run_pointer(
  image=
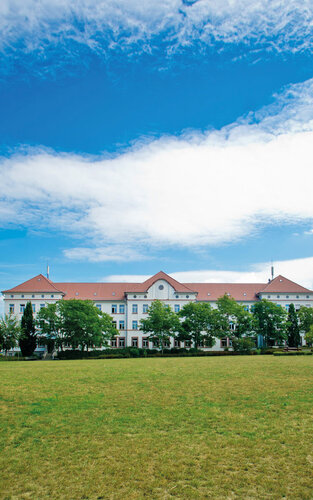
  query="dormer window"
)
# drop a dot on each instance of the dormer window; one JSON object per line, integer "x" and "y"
{"x": 161, "y": 287}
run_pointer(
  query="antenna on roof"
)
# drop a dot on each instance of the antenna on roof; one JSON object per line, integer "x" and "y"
{"x": 48, "y": 271}
{"x": 272, "y": 272}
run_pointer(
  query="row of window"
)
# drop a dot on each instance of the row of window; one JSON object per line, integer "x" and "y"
{"x": 33, "y": 296}
{"x": 146, "y": 343}
{"x": 121, "y": 308}
{"x": 22, "y": 308}
{"x": 286, "y": 296}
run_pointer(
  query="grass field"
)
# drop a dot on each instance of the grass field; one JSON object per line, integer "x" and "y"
{"x": 223, "y": 428}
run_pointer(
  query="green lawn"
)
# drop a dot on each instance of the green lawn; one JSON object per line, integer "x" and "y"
{"x": 229, "y": 427}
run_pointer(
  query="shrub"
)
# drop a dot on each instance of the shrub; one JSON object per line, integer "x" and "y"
{"x": 244, "y": 345}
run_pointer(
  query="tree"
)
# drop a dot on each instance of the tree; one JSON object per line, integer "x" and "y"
{"x": 231, "y": 312}
{"x": 28, "y": 337}
{"x": 161, "y": 323}
{"x": 9, "y": 332}
{"x": 305, "y": 315}
{"x": 293, "y": 330}
{"x": 309, "y": 337}
{"x": 270, "y": 321}
{"x": 196, "y": 324}
{"x": 48, "y": 322}
{"x": 82, "y": 324}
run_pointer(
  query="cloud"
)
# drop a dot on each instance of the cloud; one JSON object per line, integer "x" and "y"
{"x": 132, "y": 26}
{"x": 113, "y": 253}
{"x": 298, "y": 270}
{"x": 192, "y": 191}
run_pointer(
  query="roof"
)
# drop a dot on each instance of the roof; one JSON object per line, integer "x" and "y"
{"x": 241, "y": 292}
{"x": 280, "y": 284}
{"x": 37, "y": 284}
{"x": 178, "y": 287}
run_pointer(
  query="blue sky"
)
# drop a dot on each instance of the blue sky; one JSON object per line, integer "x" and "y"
{"x": 139, "y": 136}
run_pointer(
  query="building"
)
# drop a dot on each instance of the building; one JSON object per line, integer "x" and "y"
{"x": 128, "y": 303}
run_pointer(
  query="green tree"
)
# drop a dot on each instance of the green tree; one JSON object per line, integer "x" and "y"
{"x": 48, "y": 323}
{"x": 305, "y": 315}
{"x": 293, "y": 330}
{"x": 83, "y": 325}
{"x": 309, "y": 337}
{"x": 28, "y": 337}
{"x": 197, "y": 324}
{"x": 161, "y": 323}
{"x": 270, "y": 321}
{"x": 230, "y": 312}
{"x": 9, "y": 332}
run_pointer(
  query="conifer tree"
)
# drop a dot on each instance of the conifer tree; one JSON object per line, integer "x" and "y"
{"x": 293, "y": 329}
{"x": 28, "y": 338}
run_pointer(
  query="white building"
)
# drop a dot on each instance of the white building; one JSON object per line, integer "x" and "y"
{"x": 128, "y": 303}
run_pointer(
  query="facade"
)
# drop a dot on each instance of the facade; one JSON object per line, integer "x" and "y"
{"x": 128, "y": 303}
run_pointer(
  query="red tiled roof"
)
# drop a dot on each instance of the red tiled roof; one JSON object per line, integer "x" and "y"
{"x": 116, "y": 291}
{"x": 212, "y": 291}
{"x": 283, "y": 285}
{"x": 95, "y": 291}
{"x": 37, "y": 284}
{"x": 178, "y": 287}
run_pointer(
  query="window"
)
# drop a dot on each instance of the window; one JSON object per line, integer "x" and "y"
{"x": 22, "y": 308}
{"x": 145, "y": 343}
{"x": 167, "y": 343}
{"x": 98, "y": 306}
{"x": 12, "y": 296}
{"x": 33, "y": 296}
{"x": 246, "y": 308}
{"x": 113, "y": 342}
{"x": 121, "y": 342}
{"x": 114, "y": 323}
{"x": 161, "y": 287}
{"x": 232, "y": 326}
{"x": 114, "y": 309}
{"x": 308, "y": 296}
{"x": 176, "y": 308}
{"x": 135, "y": 325}
{"x": 187, "y": 296}
{"x": 11, "y": 308}
{"x": 42, "y": 296}
{"x": 135, "y": 309}
{"x": 287, "y": 307}
{"x": 278, "y": 296}
{"x": 134, "y": 341}
{"x": 176, "y": 343}
{"x": 122, "y": 325}
{"x": 52, "y": 296}
{"x": 268, "y": 296}
{"x": 187, "y": 343}
{"x": 145, "y": 308}
{"x": 121, "y": 309}
{"x": 42, "y": 306}
{"x": 22, "y": 296}
{"x": 287, "y": 296}
{"x": 297, "y": 297}
{"x": 224, "y": 342}
{"x": 34, "y": 308}
{"x": 155, "y": 344}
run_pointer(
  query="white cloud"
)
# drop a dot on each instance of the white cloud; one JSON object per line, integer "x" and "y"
{"x": 298, "y": 270}
{"x": 194, "y": 191}
{"x": 113, "y": 253}
{"x": 127, "y": 25}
